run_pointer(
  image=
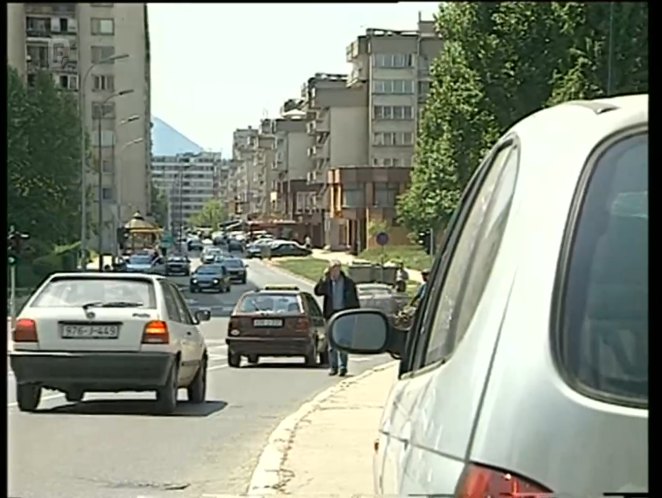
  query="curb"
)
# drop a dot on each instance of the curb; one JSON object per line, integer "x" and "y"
{"x": 266, "y": 477}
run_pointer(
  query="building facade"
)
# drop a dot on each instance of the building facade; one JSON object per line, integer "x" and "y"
{"x": 76, "y": 44}
{"x": 189, "y": 181}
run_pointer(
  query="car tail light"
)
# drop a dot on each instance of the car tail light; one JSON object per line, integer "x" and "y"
{"x": 481, "y": 482}
{"x": 302, "y": 325}
{"x": 25, "y": 330}
{"x": 156, "y": 332}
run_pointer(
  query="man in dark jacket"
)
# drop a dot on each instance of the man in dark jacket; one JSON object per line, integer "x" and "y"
{"x": 340, "y": 294}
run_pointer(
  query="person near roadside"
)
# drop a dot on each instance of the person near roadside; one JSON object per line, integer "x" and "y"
{"x": 339, "y": 293}
{"x": 401, "y": 278}
{"x": 421, "y": 290}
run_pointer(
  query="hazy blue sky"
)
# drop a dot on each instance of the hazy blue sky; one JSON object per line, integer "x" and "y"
{"x": 217, "y": 67}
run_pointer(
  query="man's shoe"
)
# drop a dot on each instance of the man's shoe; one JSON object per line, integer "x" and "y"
{"x": 343, "y": 372}
{"x": 333, "y": 372}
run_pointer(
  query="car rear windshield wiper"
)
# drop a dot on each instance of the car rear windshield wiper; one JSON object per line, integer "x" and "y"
{"x": 92, "y": 304}
{"x": 122, "y": 304}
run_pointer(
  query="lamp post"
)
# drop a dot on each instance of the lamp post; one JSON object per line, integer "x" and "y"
{"x": 82, "y": 77}
{"x": 119, "y": 190}
{"x": 102, "y": 112}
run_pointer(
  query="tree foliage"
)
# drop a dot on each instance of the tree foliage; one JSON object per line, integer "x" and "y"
{"x": 211, "y": 215}
{"x": 159, "y": 206}
{"x": 43, "y": 160}
{"x": 502, "y": 61}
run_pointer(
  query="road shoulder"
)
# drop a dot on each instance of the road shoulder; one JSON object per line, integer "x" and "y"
{"x": 328, "y": 442}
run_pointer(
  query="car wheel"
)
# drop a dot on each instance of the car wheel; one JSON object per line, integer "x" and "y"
{"x": 234, "y": 360}
{"x": 253, "y": 359}
{"x": 192, "y": 289}
{"x": 324, "y": 358}
{"x": 243, "y": 280}
{"x": 74, "y": 395}
{"x": 196, "y": 392}
{"x": 166, "y": 396}
{"x": 28, "y": 396}
{"x": 311, "y": 358}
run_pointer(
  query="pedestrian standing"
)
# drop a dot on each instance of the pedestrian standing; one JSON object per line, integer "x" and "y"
{"x": 339, "y": 292}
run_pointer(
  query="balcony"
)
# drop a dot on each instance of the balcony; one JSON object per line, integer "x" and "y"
{"x": 312, "y": 151}
{"x": 311, "y": 127}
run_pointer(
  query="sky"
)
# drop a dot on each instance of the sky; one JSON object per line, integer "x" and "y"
{"x": 218, "y": 67}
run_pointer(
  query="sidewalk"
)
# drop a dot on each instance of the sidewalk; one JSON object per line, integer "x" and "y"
{"x": 331, "y": 448}
{"x": 347, "y": 259}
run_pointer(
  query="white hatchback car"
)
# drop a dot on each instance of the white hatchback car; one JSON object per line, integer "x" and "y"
{"x": 108, "y": 332}
{"x": 526, "y": 370}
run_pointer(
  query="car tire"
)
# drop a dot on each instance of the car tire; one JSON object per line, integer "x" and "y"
{"x": 243, "y": 280}
{"x": 197, "y": 390}
{"x": 192, "y": 289}
{"x": 74, "y": 395}
{"x": 234, "y": 359}
{"x": 311, "y": 358}
{"x": 28, "y": 396}
{"x": 253, "y": 359}
{"x": 166, "y": 396}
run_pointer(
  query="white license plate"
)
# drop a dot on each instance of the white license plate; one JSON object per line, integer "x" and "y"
{"x": 265, "y": 322}
{"x": 90, "y": 331}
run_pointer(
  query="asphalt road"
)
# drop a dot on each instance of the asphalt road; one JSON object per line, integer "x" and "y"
{"x": 115, "y": 446}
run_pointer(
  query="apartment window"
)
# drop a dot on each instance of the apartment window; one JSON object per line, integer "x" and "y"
{"x": 391, "y": 138}
{"x": 37, "y": 24}
{"x": 107, "y": 165}
{"x": 100, "y": 53}
{"x": 353, "y": 198}
{"x": 104, "y": 82}
{"x": 398, "y": 87}
{"x": 393, "y": 61}
{"x": 107, "y": 112}
{"x": 38, "y": 56}
{"x": 407, "y": 138}
{"x": 107, "y": 194}
{"x": 423, "y": 88}
{"x": 385, "y": 197}
{"x": 107, "y": 139}
{"x": 67, "y": 81}
{"x": 103, "y": 26}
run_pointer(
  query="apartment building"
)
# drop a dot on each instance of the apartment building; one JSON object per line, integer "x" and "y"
{"x": 244, "y": 150}
{"x": 189, "y": 181}
{"x": 74, "y": 42}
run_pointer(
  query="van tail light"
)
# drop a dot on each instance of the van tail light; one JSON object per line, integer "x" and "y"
{"x": 25, "y": 330}
{"x": 480, "y": 482}
{"x": 156, "y": 332}
{"x": 302, "y": 325}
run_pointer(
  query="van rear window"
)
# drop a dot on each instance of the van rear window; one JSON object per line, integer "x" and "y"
{"x": 603, "y": 331}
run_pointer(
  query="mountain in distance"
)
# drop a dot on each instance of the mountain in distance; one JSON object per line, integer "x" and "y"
{"x": 166, "y": 141}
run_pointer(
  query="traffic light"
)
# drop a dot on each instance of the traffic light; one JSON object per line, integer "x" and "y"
{"x": 14, "y": 243}
{"x": 425, "y": 240}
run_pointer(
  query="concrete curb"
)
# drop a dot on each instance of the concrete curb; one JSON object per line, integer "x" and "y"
{"x": 266, "y": 478}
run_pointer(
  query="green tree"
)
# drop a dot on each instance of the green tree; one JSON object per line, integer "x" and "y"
{"x": 43, "y": 159}
{"x": 503, "y": 61}
{"x": 159, "y": 206}
{"x": 211, "y": 215}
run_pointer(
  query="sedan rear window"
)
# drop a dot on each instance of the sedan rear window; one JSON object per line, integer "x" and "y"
{"x": 233, "y": 263}
{"x": 603, "y": 336}
{"x": 274, "y": 303}
{"x": 74, "y": 292}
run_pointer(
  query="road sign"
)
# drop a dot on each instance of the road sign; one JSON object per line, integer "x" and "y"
{"x": 381, "y": 238}
{"x": 11, "y": 260}
{"x": 167, "y": 240}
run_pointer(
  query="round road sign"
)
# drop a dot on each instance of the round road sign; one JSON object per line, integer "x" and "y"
{"x": 381, "y": 238}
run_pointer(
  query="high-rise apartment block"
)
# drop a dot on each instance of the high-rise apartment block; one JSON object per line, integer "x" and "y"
{"x": 76, "y": 43}
{"x": 342, "y": 152}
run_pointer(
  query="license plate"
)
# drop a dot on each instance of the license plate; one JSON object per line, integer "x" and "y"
{"x": 90, "y": 331}
{"x": 265, "y": 322}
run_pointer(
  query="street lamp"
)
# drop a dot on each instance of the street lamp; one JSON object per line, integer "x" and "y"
{"x": 119, "y": 190}
{"x": 82, "y": 78}
{"x": 102, "y": 112}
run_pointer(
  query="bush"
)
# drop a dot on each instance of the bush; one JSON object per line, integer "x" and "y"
{"x": 43, "y": 266}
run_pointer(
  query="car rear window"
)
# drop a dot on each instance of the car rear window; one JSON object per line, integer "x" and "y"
{"x": 143, "y": 259}
{"x": 74, "y": 292}
{"x": 603, "y": 341}
{"x": 209, "y": 270}
{"x": 273, "y": 303}
{"x": 233, "y": 263}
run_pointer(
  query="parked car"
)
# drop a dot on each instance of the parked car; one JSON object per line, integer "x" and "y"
{"x": 236, "y": 268}
{"x": 277, "y": 321}
{"x": 254, "y": 249}
{"x": 527, "y": 370}
{"x": 145, "y": 263}
{"x": 210, "y": 277}
{"x": 288, "y": 248}
{"x": 194, "y": 244}
{"x": 80, "y": 329}
{"x": 178, "y": 265}
{"x": 382, "y": 297}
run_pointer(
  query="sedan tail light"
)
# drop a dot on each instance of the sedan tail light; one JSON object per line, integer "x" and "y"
{"x": 25, "y": 330}
{"x": 302, "y": 325}
{"x": 480, "y": 482}
{"x": 156, "y": 332}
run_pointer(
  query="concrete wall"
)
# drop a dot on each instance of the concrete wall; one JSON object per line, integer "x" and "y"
{"x": 348, "y": 140}
{"x": 16, "y": 53}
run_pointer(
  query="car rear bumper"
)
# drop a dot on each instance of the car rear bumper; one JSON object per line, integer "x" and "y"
{"x": 91, "y": 370}
{"x": 237, "y": 277}
{"x": 207, "y": 286}
{"x": 291, "y": 346}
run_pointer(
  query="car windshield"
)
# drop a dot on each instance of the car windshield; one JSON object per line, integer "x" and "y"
{"x": 271, "y": 303}
{"x": 74, "y": 292}
{"x": 210, "y": 270}
{"x": 140, "y": 259}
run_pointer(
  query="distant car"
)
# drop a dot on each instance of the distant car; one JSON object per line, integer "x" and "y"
{"x": 178, "y": 265}
{"x": 194, "y": 244}
{"x": 108, "y": 332}
{"x": 277, "y": 321}
{"x": 254, "y": 249}
{"x": 381, "y": 297}
{"x": 212, "y": 277}
{"x": 145, "y": 263}
{"x": 288, "y": 248}
{"x": 236, "y": 268}
{"x": 210, "y": 254}
{"x": 235, "y": 245}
